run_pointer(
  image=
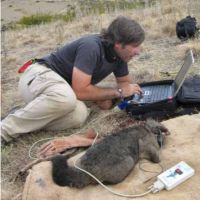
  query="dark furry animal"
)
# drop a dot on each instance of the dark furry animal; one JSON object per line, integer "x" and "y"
{"x": 113, "y": 158}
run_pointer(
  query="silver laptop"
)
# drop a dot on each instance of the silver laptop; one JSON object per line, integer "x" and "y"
{"x": 155, "y": 93}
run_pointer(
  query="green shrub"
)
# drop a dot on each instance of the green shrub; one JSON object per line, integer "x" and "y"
{"x": 36, "y": 19}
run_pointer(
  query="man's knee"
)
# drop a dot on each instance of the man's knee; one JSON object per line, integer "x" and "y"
{"x": 74, "y": 119}
{"x": 80, "y": 114}
{"x": 65, "y": 104}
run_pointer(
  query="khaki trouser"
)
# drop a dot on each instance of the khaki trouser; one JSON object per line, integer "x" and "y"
{"x": 51, "y": 104}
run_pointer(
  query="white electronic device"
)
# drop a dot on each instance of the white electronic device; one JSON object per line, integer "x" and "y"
{"x": 175, "y": 175}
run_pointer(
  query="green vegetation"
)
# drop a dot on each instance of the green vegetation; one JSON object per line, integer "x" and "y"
{"x": 39, "y": 18}
{"x": 36, "y": 19}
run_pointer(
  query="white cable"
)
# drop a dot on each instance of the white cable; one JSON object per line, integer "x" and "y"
{"x": 33, "y": 145}
{"x": 157, "y": 186}
{"x": 110, "y": 190}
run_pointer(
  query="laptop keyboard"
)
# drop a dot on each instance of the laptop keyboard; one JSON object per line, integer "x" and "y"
{"x": 158, "y": 93}
{"x": 153, "y": 94}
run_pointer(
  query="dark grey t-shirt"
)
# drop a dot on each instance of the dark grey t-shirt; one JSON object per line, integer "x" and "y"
{"x": 87, "y": 54}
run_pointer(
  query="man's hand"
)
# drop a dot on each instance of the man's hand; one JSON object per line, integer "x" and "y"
{"x": 130, "y": 89}
{"x": 104, "y": 104}
{"x": 59, "y": 145}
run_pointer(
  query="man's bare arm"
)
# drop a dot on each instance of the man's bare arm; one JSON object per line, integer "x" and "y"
{"x": 124, "y": 79}
{"x": 84, "y": 90}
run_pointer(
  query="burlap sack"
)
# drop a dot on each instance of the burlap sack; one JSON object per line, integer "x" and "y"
{"x": 182, "y": 144}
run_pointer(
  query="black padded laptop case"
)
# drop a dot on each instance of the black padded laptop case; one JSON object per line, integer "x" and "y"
{"x": 186, "y": 102}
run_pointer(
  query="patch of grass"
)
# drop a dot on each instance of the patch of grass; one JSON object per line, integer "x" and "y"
{"x": 40, "y": 18}
{"x": 36, "y": 19}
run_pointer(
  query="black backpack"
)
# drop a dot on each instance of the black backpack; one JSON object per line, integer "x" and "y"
{"x": 186, "y": 28}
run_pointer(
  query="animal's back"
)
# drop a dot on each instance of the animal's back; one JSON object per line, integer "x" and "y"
{"x": 112, "y": 159}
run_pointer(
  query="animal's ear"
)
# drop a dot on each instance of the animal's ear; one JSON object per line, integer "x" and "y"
{"x": 163, "y": 129}
{"x": 154, "y": 154}
{"x": 156, "y": 127}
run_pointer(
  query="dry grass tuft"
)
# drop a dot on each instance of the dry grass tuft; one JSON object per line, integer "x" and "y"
{"x": 161, "y": 19}
{"x": 192, "y": 44}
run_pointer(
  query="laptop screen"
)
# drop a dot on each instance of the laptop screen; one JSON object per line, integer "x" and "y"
{"x": 188, "y": 61}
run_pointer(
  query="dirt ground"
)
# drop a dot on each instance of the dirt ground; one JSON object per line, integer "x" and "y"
{"x": 161, "y": 57}
{"x": 13, "y": 10}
